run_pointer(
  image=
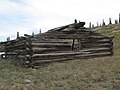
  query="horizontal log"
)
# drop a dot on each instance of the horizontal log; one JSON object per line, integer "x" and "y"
{"x": 49, "y": 45}
{"x": 97, "y": 37}
{"x": 49, "y": 50}
{"x": 12, "y": 49}
{"x": 55, "y": 55}
{"x": 69, "y": 32}
{"x": 84, "y": 56}
{"x": 94, "y": 39}
{"x": 42, "y": 50}
{"x": 11, "y": 53}
{"x": 48, "y": 41}
{"x": 37, "y": 40}
{"x": 97, "y": 50}
{"x": 16, "y": 53}
{"x": 62, "y": 36}
{"x": 106, "y": 45}
{"x": 16, "y": 41}
{"x": 15, "y": 45}
{"x": 96, "y": 42}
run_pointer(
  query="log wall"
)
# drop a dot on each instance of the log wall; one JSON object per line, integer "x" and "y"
{"x": 57, "y": 46}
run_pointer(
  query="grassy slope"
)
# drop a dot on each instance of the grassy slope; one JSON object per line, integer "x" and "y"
{"x": 91, "y": 74}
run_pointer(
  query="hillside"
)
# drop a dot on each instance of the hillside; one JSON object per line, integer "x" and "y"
{"x": 90, "y": 74}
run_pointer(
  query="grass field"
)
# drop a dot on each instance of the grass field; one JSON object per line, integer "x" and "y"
{"x": 90, "y": 74}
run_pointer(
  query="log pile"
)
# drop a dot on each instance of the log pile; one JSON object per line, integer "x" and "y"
{"x": 59, "y": 44}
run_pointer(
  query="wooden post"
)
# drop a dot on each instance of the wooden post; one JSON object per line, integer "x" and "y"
{"x": 116, "y": 21}
{"x": 17, "y": 34}
{"x": 92, "y": 25}
{"x": 73, "y": 44}
{"x": 79, "y": 43}
{"x": 75, "y": 21}
{"x": 32, "y": 33}
{"x": 5, "y": 51}
{"x": 40, "y": 31}
{"x": 89, "y": 24}
{"x": 97, "y": 24}
{"x": 8, "y": 38}
{"x": 110, "y": 22}
{"x": 103, "y": 24}
{"x": 119, "y": 17}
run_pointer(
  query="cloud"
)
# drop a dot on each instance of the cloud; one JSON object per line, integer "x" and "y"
{"x": 27, "y": 16}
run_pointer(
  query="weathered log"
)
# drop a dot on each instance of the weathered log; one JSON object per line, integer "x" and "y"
{"x": 55, "y": 55}
{"x": 49, "y": 50}
{"x": 106, "y": 45}
{"x": 95, "y": 42}
{"x": 50, "y": 41}
{"x": 49, "y": 45}
{"x": 63, "y": 36}
{"x": 83, "y": 56}
{"x": 97, "y": 50}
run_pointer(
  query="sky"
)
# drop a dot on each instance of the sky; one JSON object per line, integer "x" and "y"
{"x": 27, "y": 16}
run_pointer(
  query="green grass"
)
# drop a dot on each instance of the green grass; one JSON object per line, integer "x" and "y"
{"x": 91, "y": 74}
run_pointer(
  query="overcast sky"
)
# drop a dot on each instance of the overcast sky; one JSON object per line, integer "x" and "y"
{"x": 27, "y": 16}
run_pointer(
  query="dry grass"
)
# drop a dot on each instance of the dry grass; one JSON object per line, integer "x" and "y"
{"x": 91, "y": 74}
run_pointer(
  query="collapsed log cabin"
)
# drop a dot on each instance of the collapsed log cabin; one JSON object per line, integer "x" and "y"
{"x": 69, "y": 42}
